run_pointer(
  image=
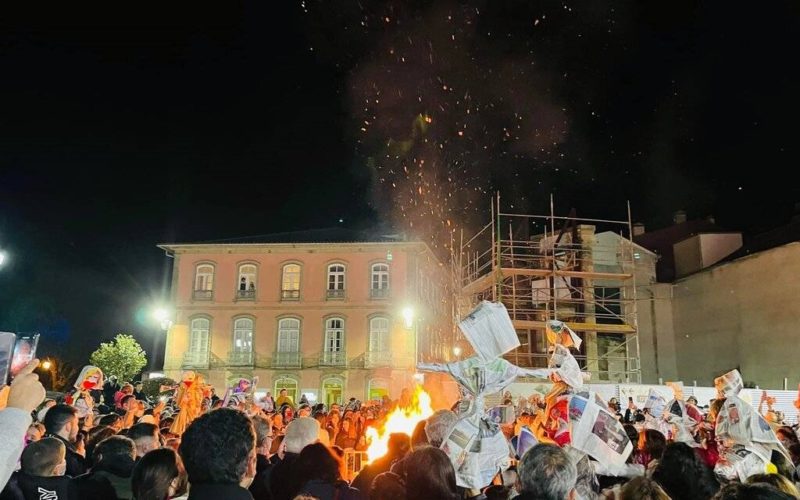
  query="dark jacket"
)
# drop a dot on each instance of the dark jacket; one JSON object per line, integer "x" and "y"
{"x": 331, "y": 491}
{"x": 282, "y": 477}
{"x": 260, "y": 487}
{"x": 363, "y": 481}
{"x": 76, "y": 464}
{"x": 218, "y": 492}
{"x": 108, "y": 480}
{"x": 23, "y": 486}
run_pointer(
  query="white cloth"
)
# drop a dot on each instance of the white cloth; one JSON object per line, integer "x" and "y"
{"x": 14, "y": 424}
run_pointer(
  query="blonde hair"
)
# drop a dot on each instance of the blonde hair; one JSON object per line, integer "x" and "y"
{"x": 777, "y": 481}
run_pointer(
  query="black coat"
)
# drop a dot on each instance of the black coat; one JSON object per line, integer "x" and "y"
{"x": 23, "y": 486}
{"x": 260, "y": 487}
{"x": 282, "y": 481}
{"x": 108, "y": 480}
{"x": 76, "y": 464}
{"x": 218, "y": 492}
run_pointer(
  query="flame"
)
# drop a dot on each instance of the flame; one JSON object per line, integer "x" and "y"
{"x": 400, "y": 420}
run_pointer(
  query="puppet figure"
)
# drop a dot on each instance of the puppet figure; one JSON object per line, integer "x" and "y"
{"x": 90, "y": 378}
{"x": 188, "y": 397}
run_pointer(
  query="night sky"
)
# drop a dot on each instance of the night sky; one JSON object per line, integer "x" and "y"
{"x": 127, "y": 125}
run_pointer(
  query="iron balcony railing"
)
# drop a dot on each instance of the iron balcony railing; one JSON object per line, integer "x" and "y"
{"x": 240, "y": 358}
{"x": 245, "y": 294}
{"x": 373, "y": 359}
{"x": 379, "y": 293}
{"x": 195, "y": 359}
{"x": 287, "y": 360}
{"x": 335, "y": 294}
{"x": 333, "y": 358}
{"x": 290, "y": 294}
{"x": 203, "y": 295}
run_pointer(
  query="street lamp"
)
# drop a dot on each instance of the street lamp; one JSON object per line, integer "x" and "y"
{"x": 410, "y": 322}
{"x": 46, "y": 364}
{"x": 163, "y": 316}
{"x": 3, "y": 257}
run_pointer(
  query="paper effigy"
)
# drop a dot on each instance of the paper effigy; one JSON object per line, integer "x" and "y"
{"x": 90, "y": 378}
{"x": 489, "y": 330}
{"x": 746, "y": 439}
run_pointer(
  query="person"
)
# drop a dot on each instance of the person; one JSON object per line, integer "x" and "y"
{"x": 112, "y": 420}
{"x": 387, "y": 486}
{"x": 755, "y": 491}
{"x": 61, "y": 422}
{"x": 263, "y": 428}
{"x": 125, "y": 390}
{"x": 777, "y": 481}
{"x": 787, "y": 436}
{"x": 546, "y": 471}
{"x": 42, "y": 473}
{"x": 430, "y": 474}
{"x": 683, "y": 475}
{"x": 438, "y": 425}
{"x": 638, "y": 488}
{"x": 398, "y": 446}
{"x": 269, "y": 403}
{"x": 218, "y": 450}
{"x": 283, "y": 399}
{"x": 24, "y": 394}
{"x": 138, "y": 391}
{"x": 321, "y": 475}
{"x": 158, "y": 475}
{"x": 110, "y": 477}
{"x": 35, "y": 432}
{"x": 243, "y": 284}
{"x": 651, "y": 446}
{"x": 300, "y": 433}
{"x": 304, "y": 410}
{"x": 110, "y": 388}
{"x": 146, "y": 438}
{"x": 95, "y": 436}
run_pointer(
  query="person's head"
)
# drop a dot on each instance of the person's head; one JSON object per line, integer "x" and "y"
{"x": 642, "y": 488}
{"x": 304, "y": 410}
{"x": 681, "y": 469}
{"x": 787, "y": 436}
{"x": 62, "y": 420}
{"x": 35, "y": 432}
{"x": 692, "y": 400}
{"x": 128, "y": 402}
{"x": 714, "y": 409}
{"x": 546, "y": 472}
{"x": 652, "y": 442}
{"x": 158, "y": 475}
{"x": 127, "y": 389}
{"x": 263, "y": 428}
{"x": 146, "y": 437}
{"x": 138, "y": 386}
{"x": 430, "y": 474}
{"x": 387, "y": 486}
{"x": 300, "y": 433}
{"x": 45, "y": 457}
{"x": 398, "y": 446}
{"x": 283, "y": 393}
{"x": 111, "y": 420}
{"x": 438, "y": 426}
{"x": 777, "y": 481}
{"x": 219, "y": 448}
{"x": 418, "y": 436}
{"x": 319, "y": 463}
{"x": 97, "y": 434}
{"x": 755, "y": 491}
{"x": 114, "y": 449}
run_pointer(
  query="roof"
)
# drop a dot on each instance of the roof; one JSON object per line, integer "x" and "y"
{"x": 322, "y": 235}
{"x": 770, "y": 239}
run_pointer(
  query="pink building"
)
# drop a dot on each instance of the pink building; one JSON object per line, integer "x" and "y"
{"x": 325, "y": 319}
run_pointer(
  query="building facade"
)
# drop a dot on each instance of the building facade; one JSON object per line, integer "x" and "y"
{"x": 329, "y": 320}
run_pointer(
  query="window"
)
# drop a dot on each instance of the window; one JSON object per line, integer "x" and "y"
{"x": 377, "y": 388}
{"x": 199, "y": 338}
{"x": 334, "y": 335}
{"x": 380, "y": 281}
{"x": 332, "y": 389}
{"x": 203, "y": 282}
{"x": 379, "y": 335}
{"x": 290, "y": 284}
{"x": 247, "y": 282}
{"x": 289, "y": 335}
{"x": 243, "y": 335}
{"x": 287, "y": 383}
{"x": 336, "y": 281}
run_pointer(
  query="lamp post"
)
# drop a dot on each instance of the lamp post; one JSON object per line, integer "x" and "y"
{"x": 411, "y": 321}
{"x": 163, "y": 316}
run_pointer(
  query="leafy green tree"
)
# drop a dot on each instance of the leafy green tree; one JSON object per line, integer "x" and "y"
{"x": 123, "y": 357}
{"x": 152, "y": 387}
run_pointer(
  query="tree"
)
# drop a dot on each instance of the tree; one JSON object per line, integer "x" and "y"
{"x": 123, "y": 357}
{"x": 152, "y": 387}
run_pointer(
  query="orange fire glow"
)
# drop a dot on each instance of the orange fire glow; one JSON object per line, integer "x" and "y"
{"x": 400, "y": 420}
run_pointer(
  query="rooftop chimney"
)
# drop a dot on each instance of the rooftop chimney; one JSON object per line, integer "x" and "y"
{"x": 638, "y": 228}
{"x": 679, "y": 217}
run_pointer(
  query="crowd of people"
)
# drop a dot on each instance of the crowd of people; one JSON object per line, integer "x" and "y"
{"x": 274, "y": 448}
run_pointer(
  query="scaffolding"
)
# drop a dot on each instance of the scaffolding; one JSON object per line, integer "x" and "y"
{"x": 543, "y": 267}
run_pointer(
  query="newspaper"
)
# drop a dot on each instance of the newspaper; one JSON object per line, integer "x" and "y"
{"x": 655, "y": 403}
{"x": 596, "y": 432}
{"x": 559, "y": 333}
{"x": 566, "y": 367}
{"x": 489, "y": 330}
{"x": 740, "y": 463}
{"x": 525, "y": 441}
{"x": 459, "y": 441}
{"x": 729, "y": 384}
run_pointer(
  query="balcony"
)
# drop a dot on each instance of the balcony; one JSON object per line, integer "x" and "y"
{"x": 240, "y": 358}
{"x": 376, "y": 359}
{"x": 290, "y": 295}
{"x": 203, "y": 295}
{"x": 333, "y": 358}
{"x": 379, "y": 293}
{"x": 195, "y": 359}
{"x": 246, "y": 294}
{"x": 287, "y": 360}
{"x": 334, "y": 294}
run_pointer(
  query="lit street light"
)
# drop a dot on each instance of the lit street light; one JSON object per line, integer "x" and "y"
{"x": 3, "y": 256}
{"x": 163, "y": 316}
{"x": 46, "y": 364}
{"x": 408, "y": 317}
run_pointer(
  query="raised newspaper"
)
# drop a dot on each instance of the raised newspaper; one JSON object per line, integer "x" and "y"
{"x": 596, "y": 432}
{"x": 489, "y": 330}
